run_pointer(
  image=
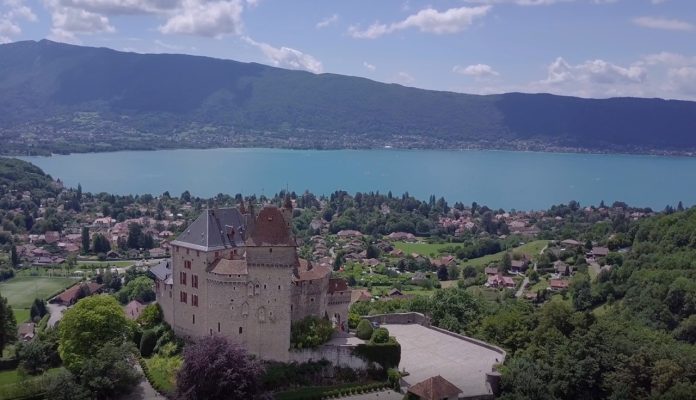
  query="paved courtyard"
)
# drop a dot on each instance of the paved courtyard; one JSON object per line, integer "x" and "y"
{"x": 426, "y": 352}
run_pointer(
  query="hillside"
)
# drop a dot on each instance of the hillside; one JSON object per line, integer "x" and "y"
{"x": 63, "y": 98}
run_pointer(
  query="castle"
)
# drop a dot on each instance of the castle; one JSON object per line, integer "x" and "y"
{"x": 237, "y": 274}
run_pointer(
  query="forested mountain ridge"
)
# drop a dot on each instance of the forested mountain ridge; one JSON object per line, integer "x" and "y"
{"x": 63, "y": 98}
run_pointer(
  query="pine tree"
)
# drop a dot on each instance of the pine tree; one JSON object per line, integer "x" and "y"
{"x": 85, "y": 240}
{"x": 14, "y": 257}
{"x": 8, "y": 324}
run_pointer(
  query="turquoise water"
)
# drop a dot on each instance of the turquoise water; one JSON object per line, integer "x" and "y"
{"x": 499, "y": 179}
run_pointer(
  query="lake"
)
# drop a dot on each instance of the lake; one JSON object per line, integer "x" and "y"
{"x": 499, "y": 179}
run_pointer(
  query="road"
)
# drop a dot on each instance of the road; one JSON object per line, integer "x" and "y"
{"x": 525, "y": 282}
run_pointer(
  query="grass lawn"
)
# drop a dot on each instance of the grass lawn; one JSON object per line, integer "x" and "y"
{"x": 424, "y": 249}
{"x": 448, "y": 284}
{"x": 12, "y": 376}
{"x": 541, "y": 285}
{"x": 530, "y": 249}
{"x": 21, "y": 314}
{"x": 163, "y": 371}
{"x": 489, "y": 294}
{"x": 21, "y": 291}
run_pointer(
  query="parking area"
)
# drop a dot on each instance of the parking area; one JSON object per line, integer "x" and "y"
{"x": 426, "y": 352}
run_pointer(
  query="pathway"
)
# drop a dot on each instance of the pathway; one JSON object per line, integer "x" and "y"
{"x": 56, "y": 311}
{"x": 525, "y": 282}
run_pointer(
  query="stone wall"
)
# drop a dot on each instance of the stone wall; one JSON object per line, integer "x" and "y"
{"x": 400, "y": 318}
{"x": 340, "y": 356}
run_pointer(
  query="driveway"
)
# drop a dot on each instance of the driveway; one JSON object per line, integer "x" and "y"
{"x": 56, "y": 312}
{"x": 426, "y": 352}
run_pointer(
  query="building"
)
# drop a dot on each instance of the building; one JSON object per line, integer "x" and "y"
{"x": 435, "y": 388}
{"x": 237, "y": 274}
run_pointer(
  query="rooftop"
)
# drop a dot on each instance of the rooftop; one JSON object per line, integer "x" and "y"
{"x": 213, "y": 229}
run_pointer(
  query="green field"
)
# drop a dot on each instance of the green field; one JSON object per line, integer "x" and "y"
{"x": 530, "y": 249}
{"x": 21, "y": 314}
{"x": 424, "y": 249}
{"x": 21, "y": 291}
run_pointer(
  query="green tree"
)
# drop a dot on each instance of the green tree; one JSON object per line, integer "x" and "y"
{"x": 38, "y": 309}
{"x": 138, "y": 288}
{"x": 14, "y": 257}
{"x": 454, "y": 309}
{"x": 8, "y": 324}
{"x": 110, "y": 372}
{"x": 100, "y": 244}
{"x": 88, "y": 326}
{"x": 364, "y": 330}
{"x": 85, "y": 240}
{"x": 151, "y": 316}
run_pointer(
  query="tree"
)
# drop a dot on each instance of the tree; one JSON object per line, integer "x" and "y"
{"x": 213, "y": 368}
{"x": 38, "y": 309}
{"x": 148, "y": 342}
{"x": 85, "y": 240}
{"x": 63, "y": 386}
{"x": 138, "y": 288}
{"x": 442, "y": 273}
{"x": 364, "y": 330}
{"x": 34, "y": 356}
{"x": 88, "y": 326}
{"x": 507, "y": 261}
{"x": 110, "y": 372}
{"x": 151, "y": 316}
{"x": 14, "y": 257}
{"x": 8, "y": 324}
{"x": 100, "y": 244}
{"x": 454, "y": 309}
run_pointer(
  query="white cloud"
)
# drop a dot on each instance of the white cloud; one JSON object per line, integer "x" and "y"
{"x": 287, "y": 57}
{"x": 404, "y": 78}
{"x": 210, "y": 19}
{"x": 328, "y": 21}
{"x": 369, "y": 66}
{"x": 667, "y": 58}
{"x": 70, "y": 21}
{"x": 121, "y": 7}
{"x": 427, "y": 20}
{"x": 520, "y": 2}
{"x": 11, "y": 14}
{"x": 663, "y": 23}
{"x": 594, "y": 71}
{"x": 476, "y": 70}
{"x": 683, "y": 80}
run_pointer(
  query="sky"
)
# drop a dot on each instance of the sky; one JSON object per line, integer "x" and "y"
{"x": 587, "y": 48}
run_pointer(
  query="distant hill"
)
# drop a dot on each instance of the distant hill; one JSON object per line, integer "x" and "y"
{"x": 63, "y": 98}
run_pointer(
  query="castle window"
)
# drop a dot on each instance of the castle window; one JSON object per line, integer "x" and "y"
{"x": 183, "y": 297}
{"x": 240, "y": 330}
{"x": 193, "y": 319}
{"x": 170, "y": 294}
{"x": 187, "y": 251}
{"x": 264, "y": 286}
{"x": 194, "y": 281}
{"x": 198, "y": 253}
{"x": 187, "y": 264}
{"x": 182, "y": 278}
{"x": 218, "y": 327}
{"x": 278, "y": 287}
{"x": 194, "y": 300}
{"x": 270, "y": 250}
{"x": 311, "y": 299}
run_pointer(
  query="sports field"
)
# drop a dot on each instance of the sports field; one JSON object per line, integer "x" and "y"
{"x": 21, "y": 291}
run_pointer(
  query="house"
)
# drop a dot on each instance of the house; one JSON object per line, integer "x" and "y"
{"x": 401, "y": 236}
{"x": 558, "y": 284}
{"x": 519, "y": 266}
{"x": 435, "y": 388}
{"x": 395, "y": 293}
{"x": 443, "y": 261}
{"x": 419, "y": 277}
{"x": 599, "y": 252}
{"x": 499, "y": 280}
{"x": 491, "y": 271}
{"x": 396, "y": 253}
{"x": 562, "y": 269}
{"x": 26, "y": 331}
{"x": 51, "y": 237}
{"x": 134, "y": 309}
{"x": 571, "y": 243}
{"x": 348, "y": 233}
{"x": 158, "y": 252}
{"x": 359, "y": 295}
{"x": 74, "y": 293}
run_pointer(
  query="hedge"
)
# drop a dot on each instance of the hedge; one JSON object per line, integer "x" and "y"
{"x": 328, "y": 392}
{"x": 387, "y": 355}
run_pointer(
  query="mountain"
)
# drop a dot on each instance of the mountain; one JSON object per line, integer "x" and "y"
{"x": 62, "y": 98}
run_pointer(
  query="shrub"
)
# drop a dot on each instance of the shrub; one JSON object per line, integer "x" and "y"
{"x": 387, "y": 355}
{"x": 148, "y": 342}
{"x": 394, "y": 378}
{"x": 380, "y": 335}
{"x": 364, "y": 330}
{"x": 310, "y": 332}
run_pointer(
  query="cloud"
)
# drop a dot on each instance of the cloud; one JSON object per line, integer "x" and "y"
{"x": 683, "y": 80}
{"x": 476, "y": 70}
{"x": 209, "y": 19}
{"x": 520, "y": 2}
{"x": 12, "y": 13}
{"x": 593, "y": 71}
{"x": 369, "y": 66}
{"x": 663, "y": 23}
{"x": 287, "y": 57}
{"x": 667, "y": 58}
{"x": 328, "y": 21}
{"x": 404, "y": 78}
{"x": 427, "y": 20}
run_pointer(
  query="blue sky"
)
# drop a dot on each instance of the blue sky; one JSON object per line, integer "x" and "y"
{"x": 589, "y": 48}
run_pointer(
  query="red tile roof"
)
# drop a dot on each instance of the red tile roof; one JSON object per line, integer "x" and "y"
{"x": 435, "y": 388}
{"x": 271, "y": 229}
{"x": 337, "y": 285}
